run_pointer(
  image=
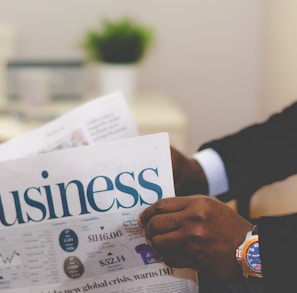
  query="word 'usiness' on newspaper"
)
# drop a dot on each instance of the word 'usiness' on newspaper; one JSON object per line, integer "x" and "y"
{"x": 85, "y": 196}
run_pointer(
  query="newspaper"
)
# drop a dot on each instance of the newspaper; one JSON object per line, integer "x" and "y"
{"x": 68, "y": 218}
{"x": 106, "y": 118}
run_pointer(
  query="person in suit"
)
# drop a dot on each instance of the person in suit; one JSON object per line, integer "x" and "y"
{"x": 231, "y": 253}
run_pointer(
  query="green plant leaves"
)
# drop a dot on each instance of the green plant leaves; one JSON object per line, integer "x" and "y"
{"x": 118, "y": 42}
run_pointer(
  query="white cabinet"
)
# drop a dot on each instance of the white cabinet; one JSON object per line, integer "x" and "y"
{"x": 155, "y": 113}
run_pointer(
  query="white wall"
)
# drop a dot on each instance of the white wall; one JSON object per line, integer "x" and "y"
{"x": 279, "y": 89}
{"x": 206, "y": 53}
{"x": 279, "y": 55}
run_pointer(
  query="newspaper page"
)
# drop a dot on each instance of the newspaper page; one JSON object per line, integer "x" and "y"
{"x": 102, "y": 119}
{"x": 68, "y": 220}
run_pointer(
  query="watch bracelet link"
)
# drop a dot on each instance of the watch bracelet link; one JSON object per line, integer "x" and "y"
{"x": 255, "y": 230}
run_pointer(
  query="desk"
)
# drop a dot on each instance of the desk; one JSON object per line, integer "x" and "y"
{"x": 152, "y": 112}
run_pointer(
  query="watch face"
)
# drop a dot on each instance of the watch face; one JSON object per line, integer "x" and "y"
{"x": 253, "y": 257}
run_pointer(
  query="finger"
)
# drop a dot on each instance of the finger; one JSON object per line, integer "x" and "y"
{"x": 162, "y": 224}
{"x": 166, "y": 205}
{"x": 176, "y": 256}
{"x": 181, "y": 257}
{"x": 180, "y": 260}
{"x": 167, "y": 243}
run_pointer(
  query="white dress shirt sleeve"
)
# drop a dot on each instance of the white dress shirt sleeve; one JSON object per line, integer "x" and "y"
{"x": 214, "y": 169}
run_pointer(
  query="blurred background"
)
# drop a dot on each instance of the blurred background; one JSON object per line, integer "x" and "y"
{"x": 224, "y": 64}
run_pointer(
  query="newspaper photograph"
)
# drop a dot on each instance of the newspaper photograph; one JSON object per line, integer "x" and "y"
{"x": 68, "y": 218}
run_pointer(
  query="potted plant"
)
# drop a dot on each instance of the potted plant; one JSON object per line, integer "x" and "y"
{"x": 118, "y": 47}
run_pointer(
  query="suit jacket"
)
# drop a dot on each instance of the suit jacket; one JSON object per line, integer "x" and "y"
{"x": 260, "y": 154}
{"x": 255, "y": 156}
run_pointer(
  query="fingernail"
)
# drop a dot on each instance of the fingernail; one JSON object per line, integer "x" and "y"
{"x": 149, "y": 243}
{"x": 139, "y": 221}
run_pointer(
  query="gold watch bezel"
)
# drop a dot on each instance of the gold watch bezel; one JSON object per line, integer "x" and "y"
{"x": 241, "y": 254}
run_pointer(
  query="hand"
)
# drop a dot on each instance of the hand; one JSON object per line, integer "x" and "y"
{"x": 189, "y": 177}
{"x": 197, "y": 232}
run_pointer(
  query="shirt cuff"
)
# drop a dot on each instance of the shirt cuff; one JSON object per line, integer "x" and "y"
{"x": 214, "y": 169}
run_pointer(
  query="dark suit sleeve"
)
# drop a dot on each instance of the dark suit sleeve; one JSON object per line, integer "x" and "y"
{"x": 260, "y": 154}
{"x": 278, "y": 242}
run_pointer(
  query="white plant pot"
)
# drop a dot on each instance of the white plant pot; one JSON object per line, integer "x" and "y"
{"x": 118, "y": 77}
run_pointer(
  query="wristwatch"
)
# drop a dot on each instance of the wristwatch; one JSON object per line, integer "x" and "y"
{"x": 248, "y": 255}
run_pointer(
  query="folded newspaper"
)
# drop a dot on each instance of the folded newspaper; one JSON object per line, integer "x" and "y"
{"x": 70, "y": 195}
